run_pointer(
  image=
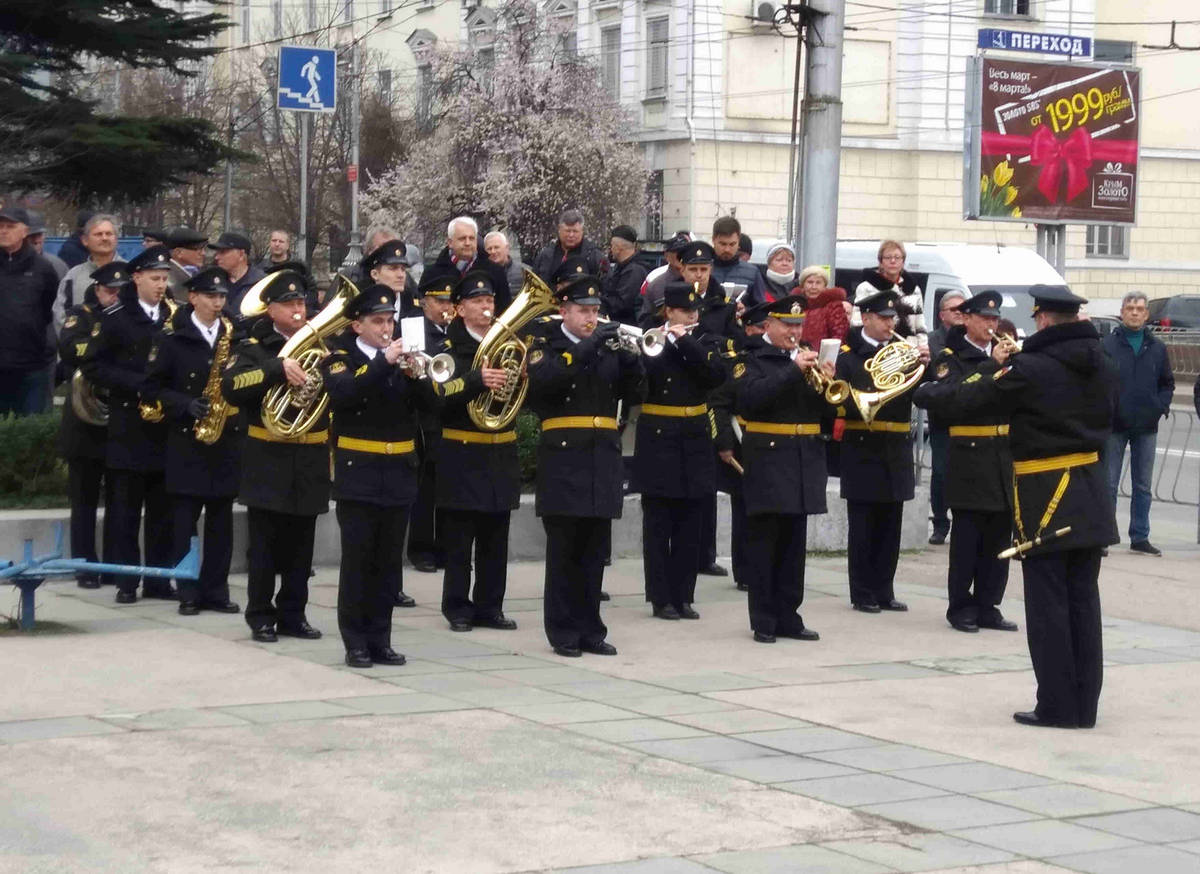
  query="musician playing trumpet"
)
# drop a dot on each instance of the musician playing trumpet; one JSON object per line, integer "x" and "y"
{"x": 674, "y": 460}
{"x": 285, "y": 481}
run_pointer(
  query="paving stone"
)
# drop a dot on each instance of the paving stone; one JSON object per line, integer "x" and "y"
{"x": 670, "y": 704}
{"x": 289, "y": 711}
{"x": 548, "y": 676}
{"x": 805, "y": 858}
{"x": 505, "y": 661}
{"x": 1189, "y": 846}
{"x": 887, "y": 757}
{"x": 628, "y": 730}
{"x": 949, "y": 812}
{"x": 566, "y": 714}
{"x": 1043, "y": 838}
{"x": 509, "y": 696}
{"x": 702, "y": 749}
{"x": 718, "y": 681}
{"x": 921, "y": 852}
{"x": 1194, "y": 808}
{"x": 166, "y": 720}
{"x": 444, "y": 649}
{"x": 734, "y": 721}
{"x": 606, "y": 690}
{"x": 779, "y": 769}
{"x": 1061, "y": 800}
{"x": 1158, "y": 825}
{"x": 643, "y": 866}
{"x": 808, "y": 740}
{"x": 1191, "y": 652}
{"x": 412, "y": 667}
{"x": 888, "y": 671}
{"x": 462, "y": 681}
{"x": 1151, "y": 860}
{"x": 1140, "y": 656}
{"x": 855, "y": 790}
{"x": 972, "y": 777}
{"x": 413, "y": 702}
{"x": 64, "y": 726}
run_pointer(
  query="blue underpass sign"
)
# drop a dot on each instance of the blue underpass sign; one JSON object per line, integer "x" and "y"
{"x": 1039, "y": 43}
{"x": 307, "y": 79}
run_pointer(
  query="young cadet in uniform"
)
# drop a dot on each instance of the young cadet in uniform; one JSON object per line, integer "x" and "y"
{"x": 115, "y": 360}
{"x": 785, "y": 469}
{"x": 83, "y": 444}
{"x": 1059, "y": 394}
{"x": 426, "y": 550}
{"x": 674, "y": 461}
{"x": 978, "y": 473}
{"x": 185, "y": 365}
{"x": 388, "y": 265}
{"x": 479, "y": 474}
{"x": 374, "y": 405}
{"x": 575, "y": 382}
{"x": 876, "y": 463}
{"x": 285, "y": 481}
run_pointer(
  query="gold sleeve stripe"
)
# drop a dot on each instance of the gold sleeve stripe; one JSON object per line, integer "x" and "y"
{"x": 80, "y": 348}
{"x": 247, "y": 379}
{"x": 567, "y": 357}
{"x": 361, "y": 371}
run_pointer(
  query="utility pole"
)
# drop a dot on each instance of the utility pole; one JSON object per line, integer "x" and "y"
{"x": 820, "y": 158}
{"x": 229, "y": 179}
{"x": 354, "y": 253}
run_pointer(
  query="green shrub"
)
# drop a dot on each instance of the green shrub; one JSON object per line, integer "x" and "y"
{"x": 31, "y": 472}
{"x": 529, "y": 429}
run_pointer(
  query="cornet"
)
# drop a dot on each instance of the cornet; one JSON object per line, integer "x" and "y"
{"x": 628, "y": 337}
{"x": 1004, "y": 341}
{"x": 654, "y": 341}
{"x": 439, "y": 368}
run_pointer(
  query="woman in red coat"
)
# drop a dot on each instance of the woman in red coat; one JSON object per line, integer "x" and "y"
{"x": 827, "y": 313}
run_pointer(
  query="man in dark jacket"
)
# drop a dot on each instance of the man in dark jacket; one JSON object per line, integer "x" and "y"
{"x": 1147, "y": 386}
{"x": 728, "y": 266}
{"x": 73, "y": 251}
{"x": 462, "y": 254}
{"x": 622, "y": 286}
{"x": 27, "y": 286}
{"x": 569, "y": 242}
{"x": 232, "y": 254}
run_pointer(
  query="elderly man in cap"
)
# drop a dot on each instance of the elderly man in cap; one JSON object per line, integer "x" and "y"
{"x": 27, "y": 287}
{"x": 978, "y": 471}
{"x": 232, "y": 254}
{"x": 36, "y": 235}
{"x": 187, "y": 258}
{"x": 201, "y": 474}
{"x": 388, "y": 265}
{"x": 73, "y": 251}
{"x": 623, "y": 284}
{"x": 116, "y": 360}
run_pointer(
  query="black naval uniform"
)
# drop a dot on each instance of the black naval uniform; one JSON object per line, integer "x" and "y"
{"x": 284, "y": 486}
{"x": 727, "y": 437}
{"x": 374, "y": 483}
{"x": 135, "y": 453}
{"x": 478, "y": 487}
{"x": 426, "y": 547}
{"x": 784, "y": 484}
{"x": 674, "y": 463}
{"x": 575, "y": 387}
{"x": 877, "y": 477}
{"x": 83, "y": 445}
{"x": 199, "y": 476}
{"x": 1060, "y": 393}
{"x": 978, "y": 486}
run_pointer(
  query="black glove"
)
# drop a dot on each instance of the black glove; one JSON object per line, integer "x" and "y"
{"x": 607, "y": 331}
{"x": 198, "y": 407}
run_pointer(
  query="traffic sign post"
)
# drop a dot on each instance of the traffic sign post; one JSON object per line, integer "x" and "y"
{"x": 307, "y": 79}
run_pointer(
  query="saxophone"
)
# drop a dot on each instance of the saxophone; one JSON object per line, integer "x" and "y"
{"x": 208, "y": 430}
{"x": 153, "y": 412}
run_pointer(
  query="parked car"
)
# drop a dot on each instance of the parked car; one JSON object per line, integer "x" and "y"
{"x": 1179, "y": 311}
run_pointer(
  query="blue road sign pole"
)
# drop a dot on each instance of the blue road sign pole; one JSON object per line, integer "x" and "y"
{"x": 307, "y": 83}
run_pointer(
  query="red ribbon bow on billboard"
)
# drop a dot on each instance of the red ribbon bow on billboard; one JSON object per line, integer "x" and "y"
{"x": 1073, "y": 155}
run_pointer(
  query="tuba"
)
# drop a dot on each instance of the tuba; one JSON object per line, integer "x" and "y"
{"x": 894, "y": 369}
{"x": 502, "y": 348}
{"x": 85, "y": 403}
{"x": 291, "y": 411}
{"x": 208, "y": 430}
{"x": 153, "y": 412}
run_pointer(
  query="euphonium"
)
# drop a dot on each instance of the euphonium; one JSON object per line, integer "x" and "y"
{"x": 501, "y": 348}
{"x": 153, "y": 412}
{"x": 894, "y": 369}
{"x": 208, "y": 430}
{"x": 290, "y": 411}
{"x": 84, "y": 401}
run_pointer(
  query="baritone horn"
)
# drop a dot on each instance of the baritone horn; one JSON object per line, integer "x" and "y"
{"x": 85, "y": 402}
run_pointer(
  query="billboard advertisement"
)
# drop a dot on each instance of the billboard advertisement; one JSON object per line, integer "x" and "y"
{"x": 1051, "y": 143}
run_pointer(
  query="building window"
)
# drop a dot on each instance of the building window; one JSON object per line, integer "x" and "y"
{"x": 348, "y": 11}
{"x": 277, "y": 18}
{"x": 1107, "y": 241}
{"x": 1008, "y": 7}
{"x": 385, "y": 8}
{"x": 1113, "y": 51}
{"x": 245, "y": 21}
{"x": 312, "y": 14}
{"x": 486, "y": 58}
{"x": 657, "y": 37}
{"x": 654, "y": 206}
{"x": 385, "y": 86}
{"x": 424, "y": 93}
{"x": 610, "y": 60}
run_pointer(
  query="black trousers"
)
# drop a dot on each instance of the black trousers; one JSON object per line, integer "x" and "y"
{"x": 873, "y": 544}
{"x": 708, "y": 530}
{"x": 939, "y": 451}
{"x": 739, "y": 527}
{"x": 279, "y": 544}
{"x": 131, "y": 491}
{"x": 976, "y": 578}
{"x": 370, "y": 577}
{"x": 84, "y": 479}
{"x": 574, "y": 572}
{"x": 670, "y": 549}
{"x": 776, "y": 546}
{"x": 1062, "y": 622}
{"x": 488, "y": 534}
{"x": 426, "y": 523}
{"x": 213, "y": 584}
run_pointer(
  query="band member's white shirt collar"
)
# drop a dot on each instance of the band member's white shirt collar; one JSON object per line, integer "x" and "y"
{"x": 208, "y": 332}
{"x": 369, "y": 351}
{"x": 571, "y": 336}
{"x": 151, "y": 309}
{"x": 986, "y": 348}
{"x": 874, "y": 344}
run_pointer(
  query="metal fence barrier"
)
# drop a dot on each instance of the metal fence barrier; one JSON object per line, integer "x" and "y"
{"x": 1176, "y": 477}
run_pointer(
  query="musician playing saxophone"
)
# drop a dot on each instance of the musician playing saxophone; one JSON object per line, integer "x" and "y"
{"x": 285, "y": 481}
{"x": 184, "y": 376}
{"x": 876, "y": 461}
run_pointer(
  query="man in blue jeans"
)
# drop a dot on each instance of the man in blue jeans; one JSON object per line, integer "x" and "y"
{"x": 1146, "y": 387}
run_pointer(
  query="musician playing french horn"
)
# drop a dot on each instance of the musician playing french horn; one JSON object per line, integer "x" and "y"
{"x": 877, "y": 474}
{"x": 204, "y": 435}
{"x": 479, "y": 479}
{"x": 285, "y": 480}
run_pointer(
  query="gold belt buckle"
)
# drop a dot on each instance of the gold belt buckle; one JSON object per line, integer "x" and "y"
{"x": 596, "y": 421}
{"x": 387, "y": 448}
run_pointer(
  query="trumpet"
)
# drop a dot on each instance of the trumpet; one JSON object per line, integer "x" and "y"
{"x": 439, "y": 368}
{"x": 628, "y": 337}
{"x": 1004, "y": 341}
{"x": 654, "y": 341}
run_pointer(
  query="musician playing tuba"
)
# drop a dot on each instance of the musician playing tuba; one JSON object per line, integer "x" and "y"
{"x": 285, "y": 480}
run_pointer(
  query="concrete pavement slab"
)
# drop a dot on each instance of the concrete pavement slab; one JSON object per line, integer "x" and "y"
{"x": 168, "y": 720}
{"x": 886, "y": 757}
{"x": 948, "y": 812}
{"x": 717, "y": 681}
{"x": 808, "y": 740}
{"x": 971, "y": 777}
{"x": 856, "y": 790}
{"x": 288, "y": 711}
{"x": 702, "y": 749}
{"x": 629, "y": 730}
{"x": 1025, "y": 866}
{"x": 643, "y": 866}
{"x": 1044, "y": 838}
{"x": 412, "y": 702}
{"x": 1158, "y": 825}
{"x": 45, "y": 729}
{"x": 1061, "y": 800}
{"x": 788, "y": 860}
{"x": 921, "y": 852}
{"x": 779, "y": 769}
{"x": 1189, "y": 846}
{"x": 567, "y": 713}
{"x": 670, "y": 704}
{"x": 1159, "y": 860}
{"x": 735, "y": 721}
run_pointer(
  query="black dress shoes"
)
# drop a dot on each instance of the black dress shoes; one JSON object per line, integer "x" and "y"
{"x": 460, "y": 625}
{"x": 124, "y": 597}
{"x": 302, "y": 629}
{"x": 895, "y": 606}
{"x": 265, "y": 634}
{"x": 425, "y": 565}
{"x": 189, "y": 608}
{"x": 88, "y": 582}
{"x": 221, "y": 606}
{"x": 714, "y": 570}
{"x": 938, "y": 537}
{"x": 802, "y": 634}
{"x": 963, "y": 625}
{"x": 358, "y": 658}
{"x": 998, "y": 624}
{"x": 686, "y": 612}
{"x": 763, "y": 637}
{"x": 601, "y": 648}
{"x": 499, "y": 621}
{"x": 403, "y": 600}
{"x": 162, "y": 592}
{"x": 866, "y": 608}
{"x": 570, "y": 652}
{"x": 1031, "y": 717}
{"x": 604, "y": 596}
{"x": 666, "y": 611}
{"x": 742, "y": 587}
{"x": 386, "y": 656}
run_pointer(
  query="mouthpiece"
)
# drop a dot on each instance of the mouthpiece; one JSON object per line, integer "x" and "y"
{"x": 296, "y": 317}
{"x": 487, "y": 314}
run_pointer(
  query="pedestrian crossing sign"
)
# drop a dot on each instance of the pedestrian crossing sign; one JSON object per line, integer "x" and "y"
{"x": 307, "y": 79}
